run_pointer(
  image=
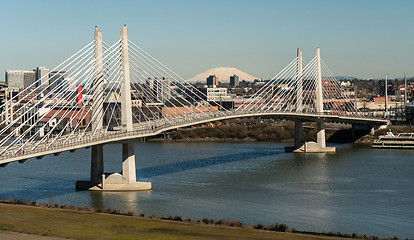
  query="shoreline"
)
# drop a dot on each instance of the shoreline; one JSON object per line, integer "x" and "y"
{"x": 8, "y": 208}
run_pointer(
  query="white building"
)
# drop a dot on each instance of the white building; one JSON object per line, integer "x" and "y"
{"x": 217, "y": 94}
{"x": 42, "y": 74}
{"x": 15, "y": 79}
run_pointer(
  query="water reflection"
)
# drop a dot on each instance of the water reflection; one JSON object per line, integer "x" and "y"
{"x": 357, "y": 189}
{"x": 129, "y": 200}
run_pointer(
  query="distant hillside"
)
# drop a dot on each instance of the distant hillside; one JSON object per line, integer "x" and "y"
{"x": 223, "y": 74}
{"x": 345, "y": 78}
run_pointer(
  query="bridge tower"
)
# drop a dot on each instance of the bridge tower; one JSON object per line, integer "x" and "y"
{"x": 299, "y": 101}
{"x": 126, "y": 180}
{"x": 97, "y": 169}
{"x": 320, "y": 145}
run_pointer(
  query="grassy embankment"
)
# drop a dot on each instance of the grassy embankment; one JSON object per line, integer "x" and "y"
{"x": 84, "y": 223}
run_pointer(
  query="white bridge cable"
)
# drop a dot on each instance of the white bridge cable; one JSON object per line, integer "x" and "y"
{"x": 272, "y": 89}
{"x": 263, "y": 90}
{"x": 116, "y": 94}
{"x": 171, "y": 73}
{"x": 144, "y": 101}
{"x": 265, "y": 87}
{"x": 34, "y": 83}
{"x": 144, "y": 94}
{"x": 74, "y": 76}
{"x": 87, "y": 78}
{"x": 283, "y": 86}
{"x": 344, "y": 94}
{"x": 85, "y": 114}
{"x": 61, "y": 118}
{"x": 160, "y": 81}
{"x": 69, "y": 97}
{"x": 309, "y": 81}
{"x": 286, "y": 91}
{"x": 112, "y": 82}
{"x": 147, "y": 88}
{"x": 48, "y": 122}
{"x": 115, "y": 73}
{"x": 151, "y": 95}
{"x": 147, "y": 94}
{"x": 35, "y": 105}
{"x": 151, "y": 91}
{"x": 112, "y": 112}
{"x": 166, "y": 71}
{"x": 279, "y": 91}
{"x": 97, "y": 114}
{"x": 310, "y": 88}
{"x": 148, "y": 62}
{"x": 36, "y": 96}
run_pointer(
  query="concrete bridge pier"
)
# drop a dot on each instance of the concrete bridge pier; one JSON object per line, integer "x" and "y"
{"x": 126, "y": 180}
{"x": 298, "y": 133}
{"x": 97, "y": 167}
{"x": 320, "y": 145}
{"x": 320, "y": 135}
{"x": 128, "y": 163}
{"x": 310, "y": 147}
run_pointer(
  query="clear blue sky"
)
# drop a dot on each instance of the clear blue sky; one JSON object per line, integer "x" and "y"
{"x": 361, "y": 38}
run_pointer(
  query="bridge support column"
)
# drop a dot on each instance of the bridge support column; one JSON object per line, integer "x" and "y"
{"x": 320, "y": 135}
{"x": 125, "y": 181}
{"x": 298, "y": 133}
{"x": 128, "y": 163}
{"x": 97, "y": 168}
{"x": 320, "y": 145}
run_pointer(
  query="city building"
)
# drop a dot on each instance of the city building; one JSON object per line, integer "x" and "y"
{"x": 62, "y": 116}
{"x": 216, "y": 94}
{"x": 29, "y": 78}
{"x": 5, "y": 95}
{"x": 161, "y": 88}
{"x": 42, "y": 77}
{"x": 234, "y": 80}
{"x": 15, "y": 79}
{"x": 212, "y": 80}
{"x": 58, "y": 81}
{"x": 401, "y": 91}
{"x": 409, "y": 113}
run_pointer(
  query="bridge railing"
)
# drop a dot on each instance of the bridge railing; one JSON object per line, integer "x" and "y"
{"x": 87, "y": 139}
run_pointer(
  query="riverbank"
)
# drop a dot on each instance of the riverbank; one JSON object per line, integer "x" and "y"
{"x": 259, "y": 130}
{"x": 265, "y": 130}
{"x": 82, "y": 223}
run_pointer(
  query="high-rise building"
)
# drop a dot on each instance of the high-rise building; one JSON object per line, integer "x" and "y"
{"x": 15, "y": 79}
{"x": 234, "y": 80}
{"x": 42, "y": 77}
{"x": 58, "y": 80}
{"x": 216, "y": 94}
{"x": 160, "y": 88}
{"x": 29, "y": 78}
{"x": 212, "y": 80}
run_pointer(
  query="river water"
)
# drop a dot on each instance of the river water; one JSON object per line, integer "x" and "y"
{"x": 358, "y": 189}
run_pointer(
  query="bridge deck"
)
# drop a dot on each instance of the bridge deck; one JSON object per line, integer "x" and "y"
{"x": 83, "y": 140}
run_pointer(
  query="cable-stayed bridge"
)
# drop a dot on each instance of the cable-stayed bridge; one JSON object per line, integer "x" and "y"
{"x": 117, "y": 93}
